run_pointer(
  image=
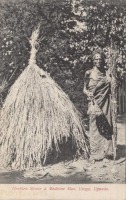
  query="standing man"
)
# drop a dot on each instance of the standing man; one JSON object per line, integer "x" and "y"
{"x": 97, "y": 87}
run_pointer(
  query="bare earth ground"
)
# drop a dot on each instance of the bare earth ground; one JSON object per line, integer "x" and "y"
{"x": 76, "y": 172}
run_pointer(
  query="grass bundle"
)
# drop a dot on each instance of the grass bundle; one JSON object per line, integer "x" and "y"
{"x": 36, "y": 114}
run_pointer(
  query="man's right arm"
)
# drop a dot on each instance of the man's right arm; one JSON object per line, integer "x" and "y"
{"x": 86, "y": 82}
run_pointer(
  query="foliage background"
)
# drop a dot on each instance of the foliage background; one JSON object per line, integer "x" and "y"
{"x": 70, "y": 31}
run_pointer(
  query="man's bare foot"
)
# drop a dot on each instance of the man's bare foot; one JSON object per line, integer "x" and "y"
{"x": 91, "y": 161}
{"x": 105, "y": 160}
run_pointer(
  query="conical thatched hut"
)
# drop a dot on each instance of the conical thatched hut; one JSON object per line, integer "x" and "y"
{"x": 35, "y": 115}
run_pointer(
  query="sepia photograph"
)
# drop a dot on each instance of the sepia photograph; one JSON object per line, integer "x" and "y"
{"x": 62, "y": 94}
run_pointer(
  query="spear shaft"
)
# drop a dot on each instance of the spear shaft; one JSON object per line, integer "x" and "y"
{"x": 112, "y": 57}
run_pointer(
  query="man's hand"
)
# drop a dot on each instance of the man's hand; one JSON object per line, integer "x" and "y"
{"x": 90, "y": 95}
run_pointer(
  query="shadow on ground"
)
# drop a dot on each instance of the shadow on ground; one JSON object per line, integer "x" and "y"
{"x": 17, "y": 178}
{"x": 121, "y": 151}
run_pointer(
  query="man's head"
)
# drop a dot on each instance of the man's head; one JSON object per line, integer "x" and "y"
{"x": 99, "y": 59}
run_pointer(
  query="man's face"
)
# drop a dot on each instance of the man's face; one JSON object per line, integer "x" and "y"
{"x": 98, "y": 60}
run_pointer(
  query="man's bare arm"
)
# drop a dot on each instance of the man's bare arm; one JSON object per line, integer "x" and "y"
{"x": 86, "y": 81}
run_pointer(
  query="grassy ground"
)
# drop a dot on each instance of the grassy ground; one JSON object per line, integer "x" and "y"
{"x": 79, "y": 171}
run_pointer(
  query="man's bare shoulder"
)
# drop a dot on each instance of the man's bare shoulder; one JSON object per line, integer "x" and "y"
{"x": 87, "y": 73}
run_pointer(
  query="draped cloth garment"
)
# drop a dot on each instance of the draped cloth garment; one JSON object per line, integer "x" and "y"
{"x": 100, "y": 127}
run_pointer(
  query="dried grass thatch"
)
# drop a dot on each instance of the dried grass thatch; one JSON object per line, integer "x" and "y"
{"x": 36, "y": 114}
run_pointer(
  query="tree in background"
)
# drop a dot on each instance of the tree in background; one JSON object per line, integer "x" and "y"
{"x": 71, "y": 31}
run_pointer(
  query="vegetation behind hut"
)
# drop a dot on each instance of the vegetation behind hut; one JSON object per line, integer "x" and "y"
{"x": 71, "y": 31}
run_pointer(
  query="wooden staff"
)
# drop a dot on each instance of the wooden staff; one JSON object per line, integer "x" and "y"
{"x": 112, "y": 57}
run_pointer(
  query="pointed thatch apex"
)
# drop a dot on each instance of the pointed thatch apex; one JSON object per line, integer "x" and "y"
{"x": 34, "y": 43}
